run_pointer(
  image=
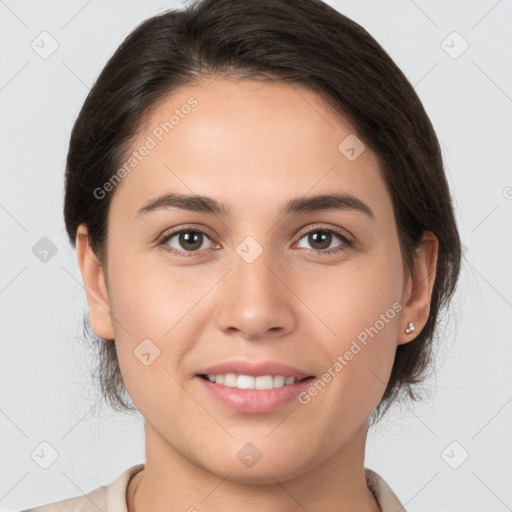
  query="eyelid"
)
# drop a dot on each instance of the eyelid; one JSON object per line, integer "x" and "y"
{"x": 184, "y": 227}
{"x": 326, "y": 227}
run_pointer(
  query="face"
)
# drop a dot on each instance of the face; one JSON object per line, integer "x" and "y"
{"x": 193, "y": 290}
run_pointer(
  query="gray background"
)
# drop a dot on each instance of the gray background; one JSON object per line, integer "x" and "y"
{"x": 45, "y": 389}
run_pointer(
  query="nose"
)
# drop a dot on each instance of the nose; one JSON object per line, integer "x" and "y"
{"x": 255, "y": 299}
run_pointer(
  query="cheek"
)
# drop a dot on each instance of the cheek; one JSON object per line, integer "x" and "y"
{"x": 359, "y": 307}
{"x": 147, "y": 305}
{"x": 152, "y": 301}
{"x": 145, "y": 298}
{"x": 351, "y": 297}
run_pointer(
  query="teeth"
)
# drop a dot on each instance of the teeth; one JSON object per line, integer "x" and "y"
{"x": 245, "y": 382}
{"x": 249, "y": 382}
{"x": 278, "y": 381}
{"x": 229, "y": 380}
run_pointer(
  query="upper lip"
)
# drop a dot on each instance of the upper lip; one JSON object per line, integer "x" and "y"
{"x": 244, "y": 367}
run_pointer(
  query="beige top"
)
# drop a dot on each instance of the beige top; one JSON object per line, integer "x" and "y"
{"x": 112, "y": 497}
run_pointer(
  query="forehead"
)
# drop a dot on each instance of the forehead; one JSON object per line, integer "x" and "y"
{"x": 249, "y": 141}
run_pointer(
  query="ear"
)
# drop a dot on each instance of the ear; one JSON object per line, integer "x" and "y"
{"x": 419, "y": 288}
{"x": 95, "y": 285}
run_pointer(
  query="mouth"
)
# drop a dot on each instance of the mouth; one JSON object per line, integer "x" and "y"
{"x": 255, "y": 387}
{"x": 253, "y": 394}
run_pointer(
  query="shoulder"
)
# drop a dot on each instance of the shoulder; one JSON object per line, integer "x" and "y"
{"x": 387, "y": 499}
{"x": 107, "y": 498}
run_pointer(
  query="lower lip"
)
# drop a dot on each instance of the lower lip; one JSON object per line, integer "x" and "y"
{"x": 254, "y": 400}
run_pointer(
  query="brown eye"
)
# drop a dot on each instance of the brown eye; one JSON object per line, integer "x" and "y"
{"x": 320, "y": 239}
{"x": 185, "y": 241}
{"x": 190, "y": 242}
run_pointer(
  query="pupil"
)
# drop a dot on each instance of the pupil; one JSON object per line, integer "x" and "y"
{"x": 324, "y": 236}
{"x": 186, "y": 237}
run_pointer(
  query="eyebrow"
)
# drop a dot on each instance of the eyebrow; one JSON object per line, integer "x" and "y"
{"x": 197, "y": 203}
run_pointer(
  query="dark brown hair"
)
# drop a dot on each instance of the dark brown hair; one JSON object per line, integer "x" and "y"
{"x": 305, "y": 42}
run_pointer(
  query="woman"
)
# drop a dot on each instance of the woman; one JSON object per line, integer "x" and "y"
{"x": 266, "y": 237}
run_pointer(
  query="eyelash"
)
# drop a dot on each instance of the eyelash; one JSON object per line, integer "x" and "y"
{"x": 346, "y": 241}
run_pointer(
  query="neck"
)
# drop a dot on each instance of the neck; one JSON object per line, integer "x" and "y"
{"x": 171, "y": 482}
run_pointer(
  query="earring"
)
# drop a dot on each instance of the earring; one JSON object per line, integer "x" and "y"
{"x": 410, "y": 328}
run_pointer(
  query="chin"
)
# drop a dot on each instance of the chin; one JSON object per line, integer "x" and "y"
{"x": 262, "y": 472}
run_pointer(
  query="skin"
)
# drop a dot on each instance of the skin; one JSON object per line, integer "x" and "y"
{"x": 253, "y": 146}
